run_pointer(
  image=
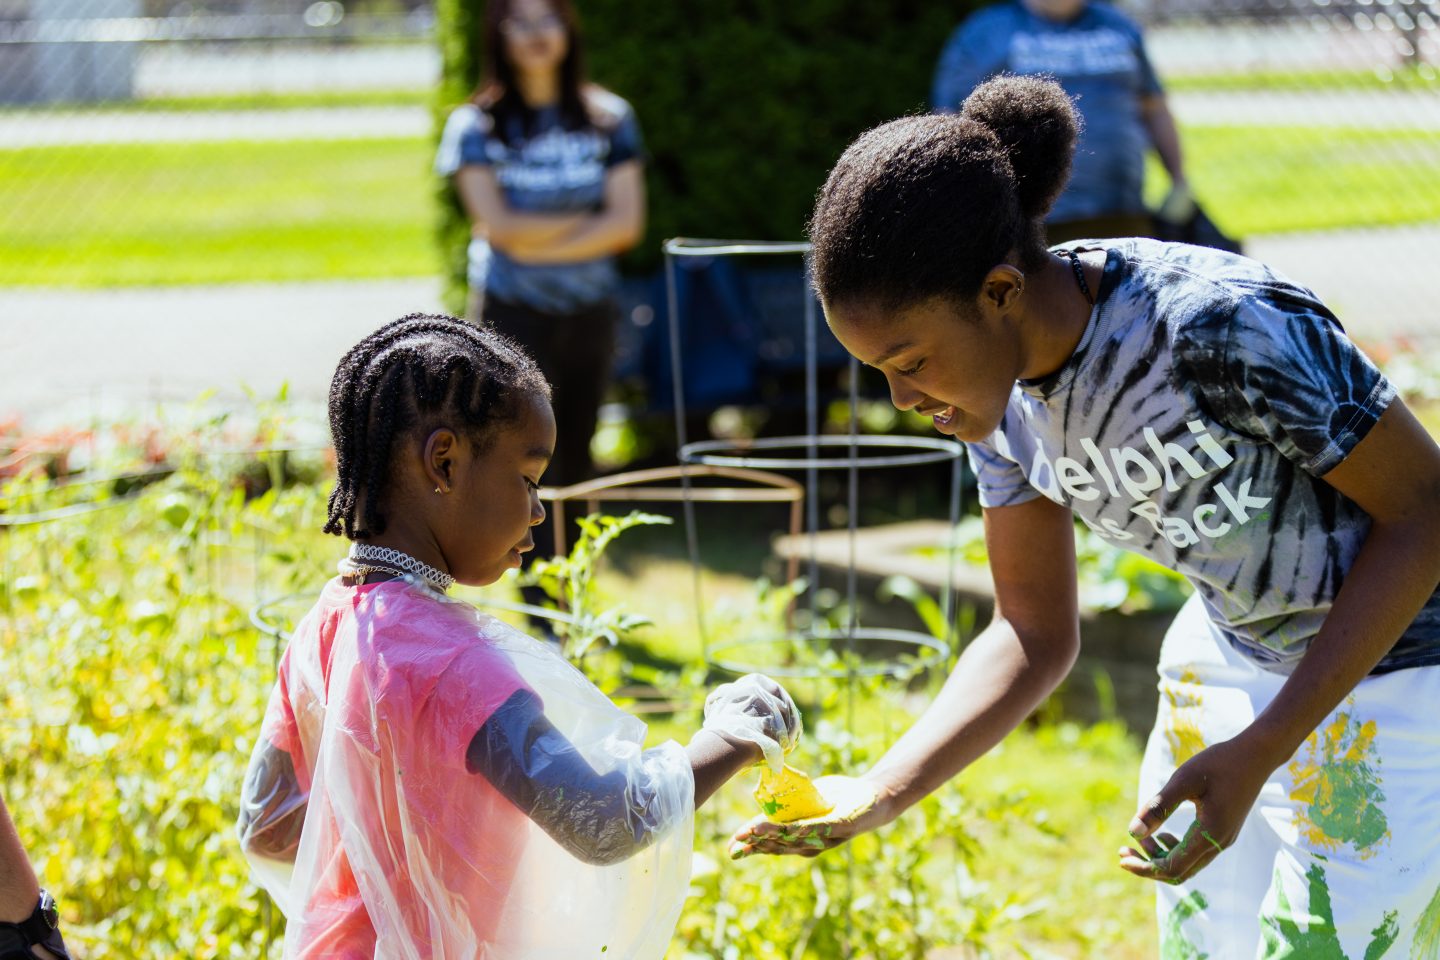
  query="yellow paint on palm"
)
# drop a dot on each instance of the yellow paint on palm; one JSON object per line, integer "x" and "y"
{"x": 1338, "y": 787}
{"x": 789, "y": 795}
{"x": 1182, "y": 727}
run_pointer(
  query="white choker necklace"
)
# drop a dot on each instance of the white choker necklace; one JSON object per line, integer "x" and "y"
{"x": 365, "y": 559}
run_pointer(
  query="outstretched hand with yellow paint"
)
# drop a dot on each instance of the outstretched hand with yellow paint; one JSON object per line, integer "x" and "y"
{"x": 1223, "y": 782}
{"x": 804, "y": 818}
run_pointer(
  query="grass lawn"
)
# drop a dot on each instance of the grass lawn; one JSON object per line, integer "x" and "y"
{"x": 156, "y": 214}
{"x": 1277, "y": 179}
{"x": 1382, "y": 78}
{"x": 1068, "y": 793}
{"x": 153, "y": 214}
{"x": 1048, "y": 809}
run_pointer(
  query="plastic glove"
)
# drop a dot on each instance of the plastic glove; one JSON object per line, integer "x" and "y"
{"x": 757, "y": 710}
{"x": 1179, "y": 204}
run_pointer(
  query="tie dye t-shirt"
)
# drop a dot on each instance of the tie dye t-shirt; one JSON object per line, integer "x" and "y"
{"x": 1192, "y": 424}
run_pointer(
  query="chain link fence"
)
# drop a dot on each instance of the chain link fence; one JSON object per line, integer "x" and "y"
{"x": 150, "y": 149}
{"x": 152, "y": 144}
{"x": 1312, "y": 130}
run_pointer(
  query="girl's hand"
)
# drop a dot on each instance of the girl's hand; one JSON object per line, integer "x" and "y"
{"x": 756, "y": 709}
{"x": 859, "y": 806}
{"x": 1223, "y": 782}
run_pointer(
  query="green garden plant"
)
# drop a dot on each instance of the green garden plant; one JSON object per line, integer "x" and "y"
{"x": 1110, "y": 578}
{"x": 569, "y": 581}
{"x": 133, "y": 683}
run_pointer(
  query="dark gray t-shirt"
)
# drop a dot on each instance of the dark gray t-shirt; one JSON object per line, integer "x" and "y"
{"x": 1192, "y": 424}
{"x": 550, "y": 170}
{"x": 1099, "y": 58}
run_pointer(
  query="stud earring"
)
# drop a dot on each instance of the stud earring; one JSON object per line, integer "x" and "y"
{"x": 437, "y": 489}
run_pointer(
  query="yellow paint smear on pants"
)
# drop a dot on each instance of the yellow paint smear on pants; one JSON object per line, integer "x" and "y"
{"x": 1182, "y": 728}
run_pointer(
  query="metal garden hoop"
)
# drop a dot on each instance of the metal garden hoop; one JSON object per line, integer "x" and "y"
{"x": 812, "y": 452}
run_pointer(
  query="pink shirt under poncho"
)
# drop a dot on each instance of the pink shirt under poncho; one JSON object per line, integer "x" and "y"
{"x": 404, "y": 852}
{"x": 396, "y": 814}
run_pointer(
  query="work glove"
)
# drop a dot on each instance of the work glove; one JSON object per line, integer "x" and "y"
{"x": 1179, "y": 204}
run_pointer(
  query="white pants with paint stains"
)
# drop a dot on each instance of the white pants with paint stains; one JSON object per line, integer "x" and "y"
{"x": 1340, "y": 856}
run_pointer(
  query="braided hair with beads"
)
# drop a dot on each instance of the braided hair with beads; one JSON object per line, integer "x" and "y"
{"x": 409, "y": 377}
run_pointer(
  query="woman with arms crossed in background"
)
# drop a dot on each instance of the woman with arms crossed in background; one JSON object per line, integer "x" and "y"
{"x": 550, "y": 171}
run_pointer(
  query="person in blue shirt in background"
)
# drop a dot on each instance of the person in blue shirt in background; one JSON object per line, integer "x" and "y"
{"x": 1098, "y": 55}
{"x": 550, "y": 169}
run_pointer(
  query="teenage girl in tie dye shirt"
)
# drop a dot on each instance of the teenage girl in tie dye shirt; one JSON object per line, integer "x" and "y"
{"x": 1199, "y": 409}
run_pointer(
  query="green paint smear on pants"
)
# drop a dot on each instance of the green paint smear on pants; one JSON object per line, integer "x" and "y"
{"x": 1338, "y": 780}
{"x": 1348, "y": 807}
{"x": 1426, "y": 945}
{"x": 1319, "y": 940}
{"x": 1173, "y": 945}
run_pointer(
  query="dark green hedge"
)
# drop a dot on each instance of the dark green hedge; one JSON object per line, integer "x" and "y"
{"x": 744, "y": 104}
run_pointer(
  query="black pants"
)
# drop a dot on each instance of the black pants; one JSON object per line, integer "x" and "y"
{"x": 13, "y": 944}
{"x": 574, "y": 351}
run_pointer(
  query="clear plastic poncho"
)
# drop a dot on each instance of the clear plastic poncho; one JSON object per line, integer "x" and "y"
{"x": 432, "y": 783}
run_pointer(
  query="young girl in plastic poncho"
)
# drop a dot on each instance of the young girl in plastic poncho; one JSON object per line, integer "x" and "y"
{"x": 430, "y": 782}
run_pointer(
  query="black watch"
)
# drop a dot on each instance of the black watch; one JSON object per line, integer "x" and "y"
{"x": 47, "y": 913}
{"x": 42, "y": 922}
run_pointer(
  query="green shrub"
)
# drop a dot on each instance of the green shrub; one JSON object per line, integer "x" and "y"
{"x": 744, "y": 106}
{"x": 133, "y": 684}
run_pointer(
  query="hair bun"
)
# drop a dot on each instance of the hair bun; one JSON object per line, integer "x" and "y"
{"x": 1038, "y": 125}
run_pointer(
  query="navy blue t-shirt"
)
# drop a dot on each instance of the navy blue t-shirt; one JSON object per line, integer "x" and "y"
{"x": 548, "y": 170}
{"x": 1099, "y": 58}
{"x": 1192, "y": 425}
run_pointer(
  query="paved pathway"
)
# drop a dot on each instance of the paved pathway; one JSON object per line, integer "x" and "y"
{"x": 1382, "y": 283}
{"x": 71, "y": 127}
{"x": 1355, "y": 109}
{"x": 1362, "y": 109}
{"x": 70, "y": 354}
{"x": 67, "y": 354}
